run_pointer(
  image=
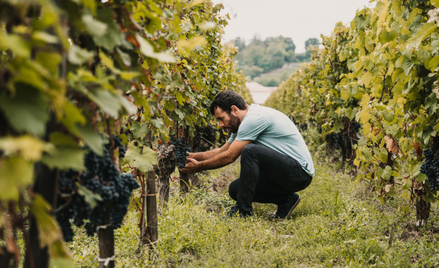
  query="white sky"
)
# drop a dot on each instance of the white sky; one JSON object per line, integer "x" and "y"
{"x": 298, "y": 19}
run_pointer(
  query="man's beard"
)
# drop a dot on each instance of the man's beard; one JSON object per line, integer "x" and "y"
{"x": 234, "y": 123}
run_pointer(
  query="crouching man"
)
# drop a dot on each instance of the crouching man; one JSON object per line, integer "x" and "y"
{"x": 275, "y": 161}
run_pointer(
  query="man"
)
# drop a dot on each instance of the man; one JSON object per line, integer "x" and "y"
{"x": 275, "y": 161}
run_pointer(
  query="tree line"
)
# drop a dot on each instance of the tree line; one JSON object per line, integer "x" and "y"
{"x": 261, "y": 56}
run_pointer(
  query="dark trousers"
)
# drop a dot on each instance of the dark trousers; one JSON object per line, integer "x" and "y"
{"x": 266, "y": 177}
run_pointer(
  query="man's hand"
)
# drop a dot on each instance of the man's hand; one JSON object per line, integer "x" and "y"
{"x": 192, "y": 166}
{"x": 230, "y": 153}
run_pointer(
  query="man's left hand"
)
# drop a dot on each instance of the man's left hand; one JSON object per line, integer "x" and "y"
{"x": 192, "y": 166}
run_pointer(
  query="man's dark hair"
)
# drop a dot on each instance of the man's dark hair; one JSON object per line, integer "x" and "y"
{"x": 225, "y": 99}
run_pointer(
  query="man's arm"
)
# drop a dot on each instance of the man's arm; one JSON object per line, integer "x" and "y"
{"x": 209, "y": 154}
{"x": 222, "y": 159}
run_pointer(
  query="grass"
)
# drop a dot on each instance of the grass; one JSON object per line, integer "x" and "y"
{"x": 337, "y": 224}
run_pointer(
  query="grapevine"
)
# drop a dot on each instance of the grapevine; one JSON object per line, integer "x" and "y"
{"x": 166, "y": 165}
{"x": 75, "y": 67}
{"x": 372, "y": 91}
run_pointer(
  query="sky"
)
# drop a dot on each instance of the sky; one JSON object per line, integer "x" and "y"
{"x": 298, "y": 19}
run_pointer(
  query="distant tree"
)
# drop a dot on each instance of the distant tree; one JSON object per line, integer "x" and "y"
{"x": 290, "y": 44}
{"x": 302, "y": 57}
{"x": 275, "y": 55}
{"x": 311, "y": 42}
{"x": 251, "y": 72}
{"x": 256, "y": 39}
{"x": 255, "y": 71}
{"x": 253, "y": 55}
{"x": 240, "y": 43}
{"x": 268, "y": 54}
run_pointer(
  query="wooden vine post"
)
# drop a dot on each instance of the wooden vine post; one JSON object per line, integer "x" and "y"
{"x": 150, "y": 236}
{"x": 106, "y": 230}
{"x": 45, "y": 185}
{"x": 106, "y": 241}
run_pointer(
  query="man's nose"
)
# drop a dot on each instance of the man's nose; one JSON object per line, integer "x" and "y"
{"x": 221, "y": 124}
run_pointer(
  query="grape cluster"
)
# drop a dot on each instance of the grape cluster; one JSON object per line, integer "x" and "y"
{"x": 204, "y": 139}
{"x": 166, "y": 160}
{"x": 430, "y": 166}
{"x": 102, "y": 177}
{"x": 181, "y": 150}
{"x": 344, "y": 139}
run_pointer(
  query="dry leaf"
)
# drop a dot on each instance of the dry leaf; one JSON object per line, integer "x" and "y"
{"x": 391, "y": 145}
{"x": 132, "y": 39}
{"x": 417, "y": 147}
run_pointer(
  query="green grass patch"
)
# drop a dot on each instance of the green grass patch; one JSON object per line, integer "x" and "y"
{"x": 336, "y": 224}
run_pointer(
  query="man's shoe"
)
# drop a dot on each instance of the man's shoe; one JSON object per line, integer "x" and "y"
{"x": 234, "y": 212}
{"x": 284, "y": 210}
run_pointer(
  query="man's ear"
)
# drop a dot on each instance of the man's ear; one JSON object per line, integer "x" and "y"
{"x": 234, "y": 110}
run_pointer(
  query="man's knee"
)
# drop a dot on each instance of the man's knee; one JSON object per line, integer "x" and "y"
{"x": 248, "y": 149}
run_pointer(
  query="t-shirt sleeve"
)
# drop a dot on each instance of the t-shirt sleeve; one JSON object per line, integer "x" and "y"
{"x": 251, "y": 127}
{"x": 232, "y": 137}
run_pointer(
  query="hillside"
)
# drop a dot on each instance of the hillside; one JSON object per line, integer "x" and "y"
{"x": 275, "y": 77}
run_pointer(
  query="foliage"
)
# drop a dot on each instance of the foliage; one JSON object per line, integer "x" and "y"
{"x": 74, "y": 73}
{"x": 311, "y": 42}
{"x": 380, "y": 72}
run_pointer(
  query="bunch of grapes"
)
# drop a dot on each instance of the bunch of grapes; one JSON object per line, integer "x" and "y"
{"x": 351, "y": 134}
{"x": 334, "y": 138}
{"x": 204, "y": 139}
{"x": 166, "y": 160}
{"x": 181, "y": 150}
{"x": 430, "y": 166}
{"x": 344, "y": 139}
{"x": 101, "y": 177}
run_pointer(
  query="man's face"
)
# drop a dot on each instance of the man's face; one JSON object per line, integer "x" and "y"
{"x": 227, "y": 121}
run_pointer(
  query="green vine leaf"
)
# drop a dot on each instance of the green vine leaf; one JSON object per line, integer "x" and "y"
{"x": 90, "y": 197}
{"x": 15, "y": 175}
{"x": 143, "y": 158}
{"x": 424, "y": 31}
{"x": 48, "y": 229}
{"x": 147, "y": 49}
{"x": 91, "y": 138}
{"x": 94, "y": 27}
{"x": 107, "y": 101}
{"x": 388, "y": 116}
{"x": 27, "y": 110}
{"x": 26, "y": 147}
{"x": 78, "y": 56}
{"x": 65, "y": 157}
{"x": 15, "y": 43}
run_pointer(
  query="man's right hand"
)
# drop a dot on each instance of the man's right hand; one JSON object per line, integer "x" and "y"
{"x": 201, "y": 156}
{"x": 192, "y": 166}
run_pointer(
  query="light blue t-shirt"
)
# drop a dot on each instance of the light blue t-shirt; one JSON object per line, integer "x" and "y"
{"x": 270, "y": 128}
